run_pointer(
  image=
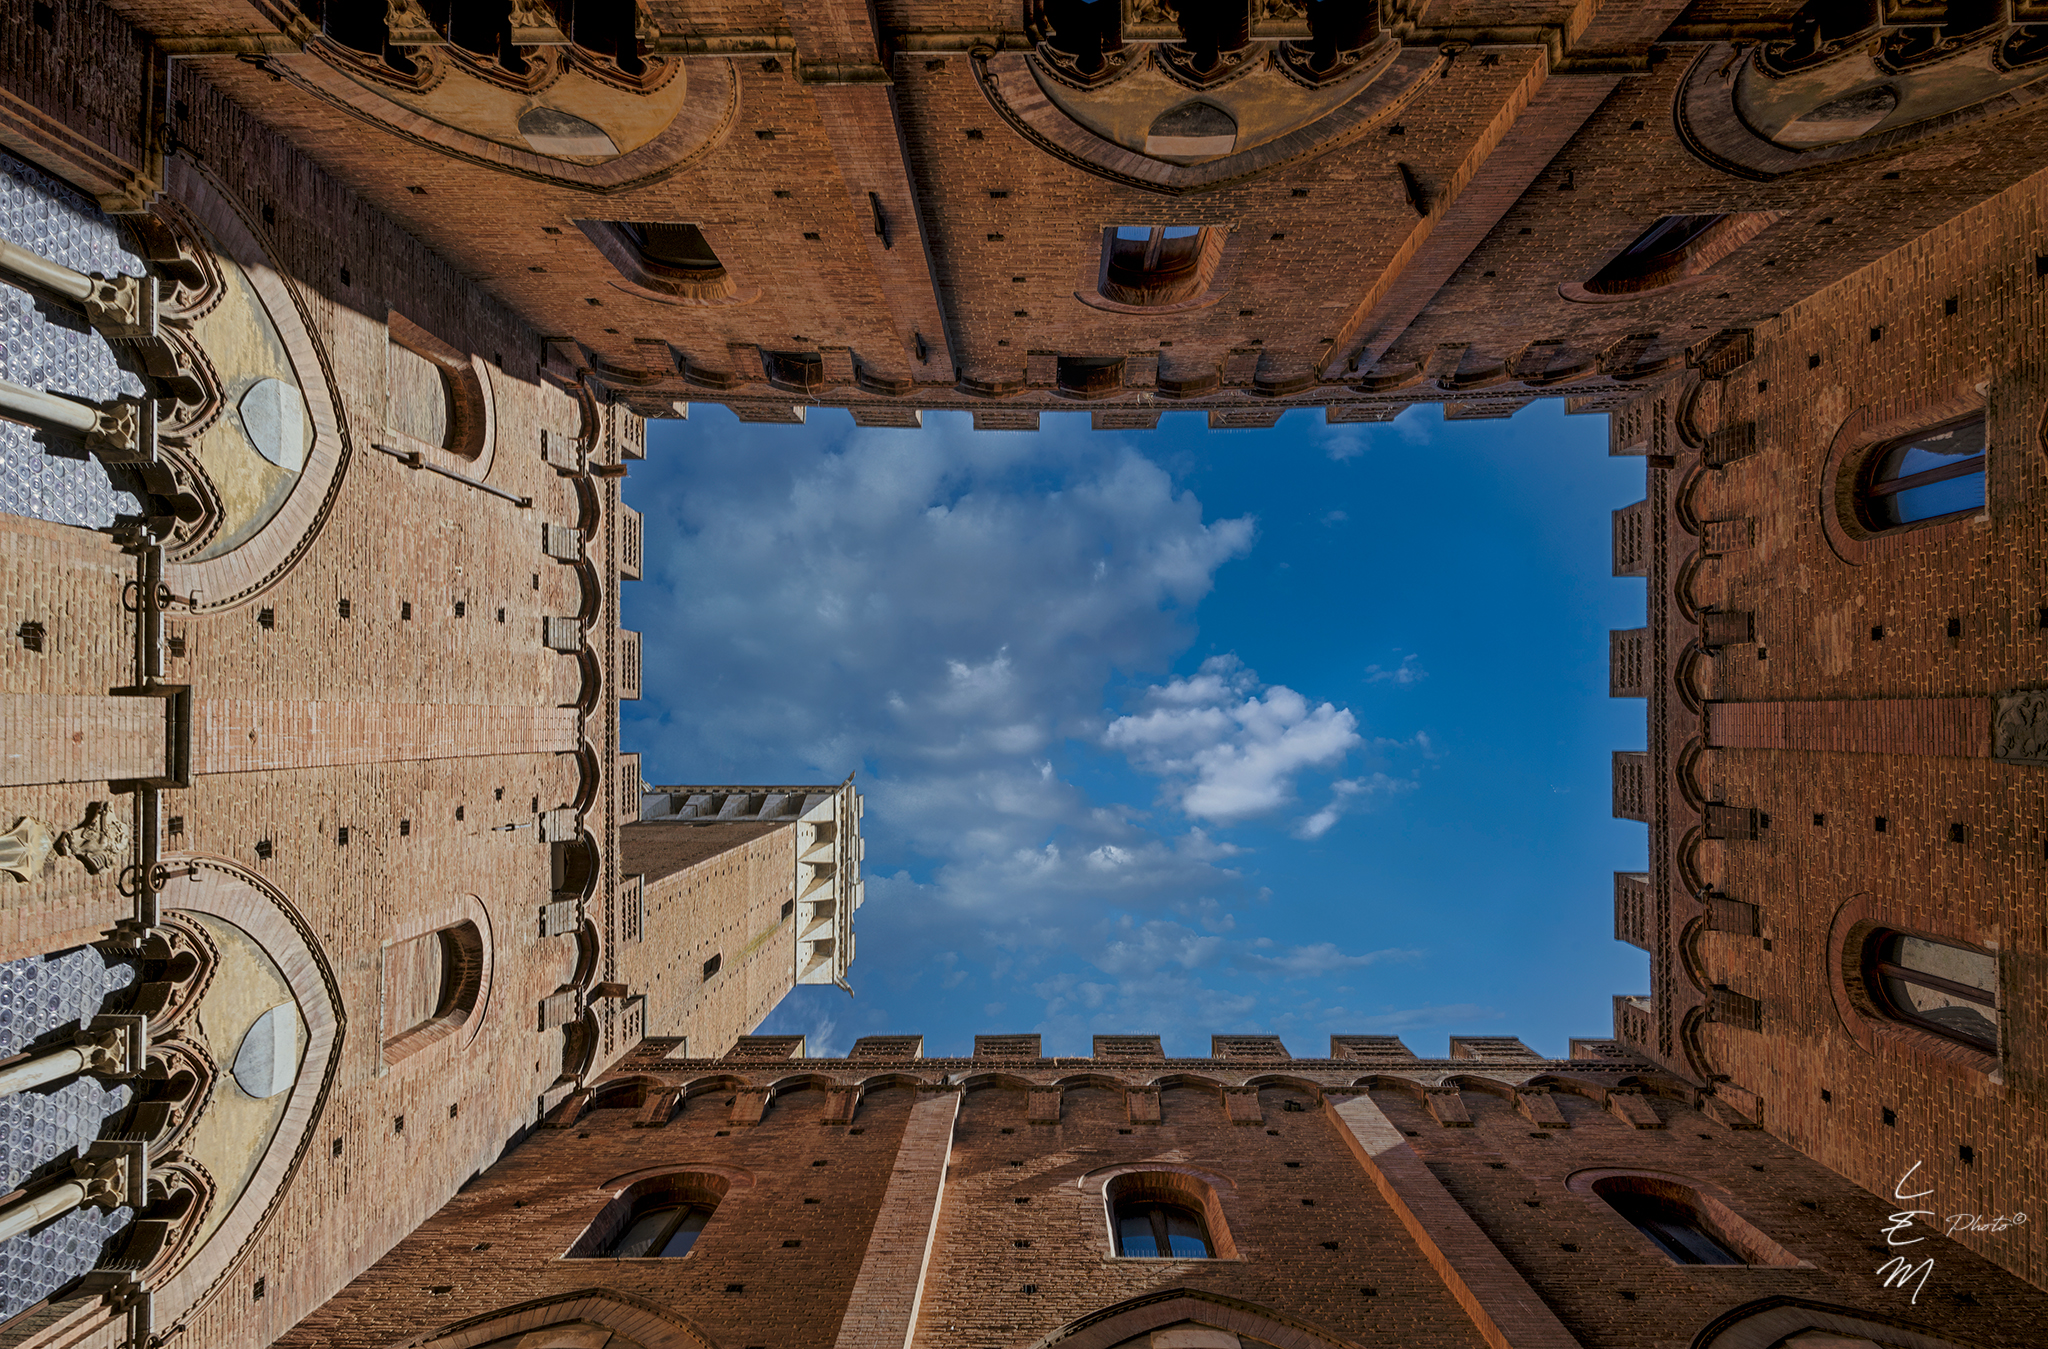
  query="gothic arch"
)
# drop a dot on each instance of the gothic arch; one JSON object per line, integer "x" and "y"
{"x": 634, "y": 1319}
{"x": 1767, "y": 1321}
{"x": 222, "y": 890}
{"x": 1127, "y": 1320}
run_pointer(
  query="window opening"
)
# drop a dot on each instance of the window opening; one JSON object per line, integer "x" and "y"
{"x": 1673, "y": 1226}
{"x": 1949, "y": 990}
{"x": 1152, "y": 265}
{"x": 666, "y": 1231}
{"x": 1929, "y": 476}
{"x": 680, "y": 248}
{"x": 1148, "y": 1229}
{"x": 1657, "y": 257}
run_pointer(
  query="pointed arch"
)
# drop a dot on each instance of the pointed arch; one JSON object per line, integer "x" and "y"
{"x": 639, "y": 1321}
{"x": 1767, "y": 1321}
{"x": 1127, "y": 1320}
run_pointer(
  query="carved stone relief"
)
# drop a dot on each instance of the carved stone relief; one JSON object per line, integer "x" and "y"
{"x": 2020, "y": 730}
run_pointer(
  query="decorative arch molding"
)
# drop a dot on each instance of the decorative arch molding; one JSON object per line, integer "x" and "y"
{"x": 642, "y": 1322}
{"x": 1127, "y": 1320}
{"x": 1768, "y": 1321}
{"x": 1870, "y": 427}
{"x": 625, "y": 1092}
{"x": 1100, "y": 1178}
{"x": 1855, "y": 921}
{"x": 709, "y": 107}
{"x": 472, "y": 441}
{"x": 220, "y": 889}
{"x": 1014, "y": 92}
{"x": 1707, "y": 1202}
{"x": 1289, "y": 1082}
{"x": 735, "y": 1177}
{"x": 1711, "y": 124}
{"x": 239, "y": 575}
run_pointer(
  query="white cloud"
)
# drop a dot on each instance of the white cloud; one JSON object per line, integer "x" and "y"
{"x": 1335, "y": 517}
{"x": 1228, "y": 749}
{"x": 1409, "y": 671}
{"x": 1344, "y": 793}
{"x": 1320, "y": 959}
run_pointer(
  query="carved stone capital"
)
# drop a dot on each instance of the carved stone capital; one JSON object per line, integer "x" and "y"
{"x": 122, "y": 308}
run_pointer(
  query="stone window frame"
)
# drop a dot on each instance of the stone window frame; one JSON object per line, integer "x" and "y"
{"x": 1216, "y": 251}
{"x": 1871, "y": 1026}
{"x": 472, "y": 406}
{"x": 1871, "y": 430}
{"x": 649, "y": 281}
{"x": 1186, "y": 1186}
{"x": 467, "y": 955}
{"x": 1689, "y": 265}
{"x": 1707, "y": 1204}
{"x": 688, "y": 1183}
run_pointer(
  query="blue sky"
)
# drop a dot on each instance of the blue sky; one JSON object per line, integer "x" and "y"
{"x": 1301, "y": 731}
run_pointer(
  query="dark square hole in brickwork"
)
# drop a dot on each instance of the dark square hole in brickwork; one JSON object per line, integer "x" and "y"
{"x": 1892, "y": 175}
{"x": 1948, "y": 306}
{"x": 1625, "y": 1294}
{"x": 711, "y": 968}
{"x": 416, "y": 189}
{"x": 1409, "y": 1132}
{"x": 972, "y": 133}
{"x": 1021, "y": 1244}
{"x": 1298, "y": 192}
{"x": 1308, "y": 1203}
{"x": 175, "y": 825}
{"x": 1272, "y": 1133}
{"x": 345, "y": 277}
{"x": 46, "y": 19}
{"x": 1966, "y": 1154}
{"x": 1571, "y": 1246}
{"x": 1877, "y": 333}
{"x": 257, "y": 1289}
{"x": 31, "y": 635}
{"x": 1013, "y": 1163}
{"x": 441, "y": 1289}
{"x": 1329, "y": 1245}
{"x": 1291, "y": 1165}
{"x": 536, "y": 805}
{"x": 1813, "y": 361}
{"x": 481, "y": 1246}
{"x": 1533, "y": 1203}
{"x": 854, "y": 1133}
{"x": 1955, "y": 629}
{"x": 1877, "y": 632}
{"x": 1497, "y": 1166}
{"x": 398, "y": 1124}
{"x": 1756, "y": 1166}
{"x": 995, "y": 238}
{"x": 998, "y": 193}
{"x": 1878, "y": 824}
{"x": 341, "y": 837}
{"x": 461, "y": 608}
{"x": 454, "y": 1109}
{"x": 405, "y": 611}
{"x": 821, "y": 1162}
{"x": 1123, "y": 1131}
{"x": 593, "y": 302}
{"x": 1247, "y": 313}
{"x": 458, "y": 812}
{"x": 1009, "y": 1131}
{"x": 813, "y": 236}
{"x": 1826, "y": 1096}
{"x": 550, "y": 229}
{"x": 1763, "y": 386}
{"x": 536, "y": 580}
{"x": 735, "y": 1288}
{"x": 1959, "y": 833}
{"x": 1397, "y": 129}
{"x": 1488, "y": 273}
{"x": 1819, "y": 819}
{"x": 337, "y": 1147}
{"x": 1368, "y": 1291}
{"x": 727, "y": 1133}
{"x": 1763, "y": 653}
{"x": 783, "y": 194}
{"x": 1019, "y": 280}
{"x": 1767, "y": 943}
{"x": 1808, "y": 1203}
{"x": 766, "y": 133}
{"x": 266, "y": 618}
{"x": 1029, "y": 1288}
{"x": 263, "y": 849}
{"x": 1020, "y": 313}
{"x": 498, "y": 794}
{"x": 501, "y": 615}
{"x": 1022, "y": 1199}
{"x": 1891, "y": 1117}
{"x": 1525, "y": 230}
{"x": 1763, "y": 819}
{"x": 788, "y": 907}
{"x": 792, "y": 1243}
{"x": 1277, "y": 238}
{"x": 341, "y": 608}
{"x": 269, "y": 214}
{"x": 2041, "y": 264}
{"x": 1539, "y": 1135}
{"x": 936, "y": 63}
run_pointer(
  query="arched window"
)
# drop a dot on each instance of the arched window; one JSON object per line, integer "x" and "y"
{"x": 430, "y": 988}
{"x": 1166, "y": 1215}
{"x": 1951, "y": 991}
{"x": 1932, "y": 475}
{"x": 660, "y": 1218}
{"x": 662, "y": 1229}
{"x": 1658, "y": 257}
{"x": 434, "y": 395}
{"x": 1151, "y": 1229}
{"x": 1667, "y": 1220}
{"x": 1150, "y": 266}
{"x": 670, "y": 259}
